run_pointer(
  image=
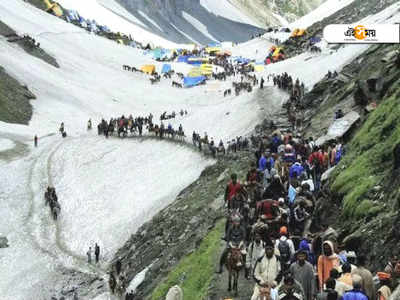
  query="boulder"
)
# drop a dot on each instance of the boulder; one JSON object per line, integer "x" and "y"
{"x": 327, "y": 173}
{"x": 3, "y": 242}
{"x": 339, "y": 127}
{"x": 174, "y": 293}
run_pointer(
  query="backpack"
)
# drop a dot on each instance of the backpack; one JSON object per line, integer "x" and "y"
{"x": 284, "y": 249}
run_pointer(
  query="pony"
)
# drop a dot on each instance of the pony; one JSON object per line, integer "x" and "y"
{"x": 234, "y": 264}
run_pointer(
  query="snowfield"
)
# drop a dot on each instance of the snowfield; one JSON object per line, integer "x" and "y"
{"x": 6, "y": 144}
{"x": 107, "y": 188}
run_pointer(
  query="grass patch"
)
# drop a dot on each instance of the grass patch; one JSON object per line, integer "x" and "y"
{"x": 195, "y": 271}
{"x": 369, "y": 159}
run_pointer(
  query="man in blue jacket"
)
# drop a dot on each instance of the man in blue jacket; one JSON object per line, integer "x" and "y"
{"x": 356, "y": 293}
{"x": 262, "y": 163}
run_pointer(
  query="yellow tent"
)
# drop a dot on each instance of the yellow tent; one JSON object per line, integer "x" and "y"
{"x": 277, "y": 51}
{"x": 149, "y": 69}
{"x": 301, "y": 32}
{"x": 213, "y": 49}
{"x": 119, "y": 41}
{"x": 201, "y": 59}
{"x": 298, "y": 32}
{"x": 195, "y": 72}
{"x": 259, "y": 68}
{"x": 54, "y": 8}
{"x": 206, "y": 69}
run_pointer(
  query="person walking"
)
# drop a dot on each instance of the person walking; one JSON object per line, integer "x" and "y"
{"x": 89, "y": 255}
{"x": 35, "y": 139}
{"x": 97, "y": 252}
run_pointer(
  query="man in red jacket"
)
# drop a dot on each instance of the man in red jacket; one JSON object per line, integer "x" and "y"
{"x": 232, "y": 189}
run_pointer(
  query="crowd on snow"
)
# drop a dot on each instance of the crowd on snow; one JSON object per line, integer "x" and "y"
{"x": 269, "y": 219}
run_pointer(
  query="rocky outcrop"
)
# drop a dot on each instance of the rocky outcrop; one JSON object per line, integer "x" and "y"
{"x": 362, "y": 82}
{"x": 26, "y": 45}
{"x": 15, "y": 106}
{"x": 3, "y": 242}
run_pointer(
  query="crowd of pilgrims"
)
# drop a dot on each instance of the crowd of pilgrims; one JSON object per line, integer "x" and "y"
{"x": 270, "y": 217}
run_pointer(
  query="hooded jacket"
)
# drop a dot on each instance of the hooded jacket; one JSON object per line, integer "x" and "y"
{"x": 326, "y": 264}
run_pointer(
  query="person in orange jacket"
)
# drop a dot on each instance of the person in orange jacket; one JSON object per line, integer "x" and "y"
{"x": 326, "y": 262}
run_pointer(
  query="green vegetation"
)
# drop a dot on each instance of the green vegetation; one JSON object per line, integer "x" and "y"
{"x": 369, "y": 159}
{"x": 195, "y": 271}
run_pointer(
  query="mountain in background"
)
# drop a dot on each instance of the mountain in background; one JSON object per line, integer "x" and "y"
{"x": 276, "y": 12}
{"x": 205, "y": 21}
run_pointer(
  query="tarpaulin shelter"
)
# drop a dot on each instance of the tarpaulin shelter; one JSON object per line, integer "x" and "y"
{"x": 183, "y": 58}
{"x": 166, "y": 68}
{"x": 160, "y": 53}
{"x": 197, "y": 60}
{"x": 214, "y": 44}
{"x": 258, "y": 68}
{"x": 212, "y": 49}
{"x": 314, "y": 40}
{"x": 194, "y": 72}
{"x": 149, "y": 69}
{"x": 277, "y": 51}
{"x": 53, "y": 8}
{"x": 206, "y": 69}
{"x": 242, "y": 60}
{"x": 193, "y": 81}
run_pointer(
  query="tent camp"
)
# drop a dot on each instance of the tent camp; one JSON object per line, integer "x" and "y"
{"x": 193, "y": 81}
{"x": 166, "y": 68}
{"x": 149, "y": 69}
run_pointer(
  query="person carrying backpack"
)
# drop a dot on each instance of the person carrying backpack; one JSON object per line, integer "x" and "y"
{"x": 285, "y": 247}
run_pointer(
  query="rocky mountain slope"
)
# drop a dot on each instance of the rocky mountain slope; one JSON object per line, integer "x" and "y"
{"x": 269, "y": 13}
{"x": 221, "y": 20}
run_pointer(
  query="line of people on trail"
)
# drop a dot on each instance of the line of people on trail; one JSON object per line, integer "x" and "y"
{"x": 268, "y": 230}
{"x": 132, "y": 125}
{"x": 296, "y": 92}
{"x": 203, "y": 143}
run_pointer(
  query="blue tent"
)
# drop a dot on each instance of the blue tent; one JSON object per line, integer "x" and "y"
{"x": 315, "y": 40}
{"x": 166, "y": 68}
{"x": 242, "y": 60}
{"x": 193, "y": 81}
{"x": 183, "y": 58}
{"x": 214, "y": 44}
